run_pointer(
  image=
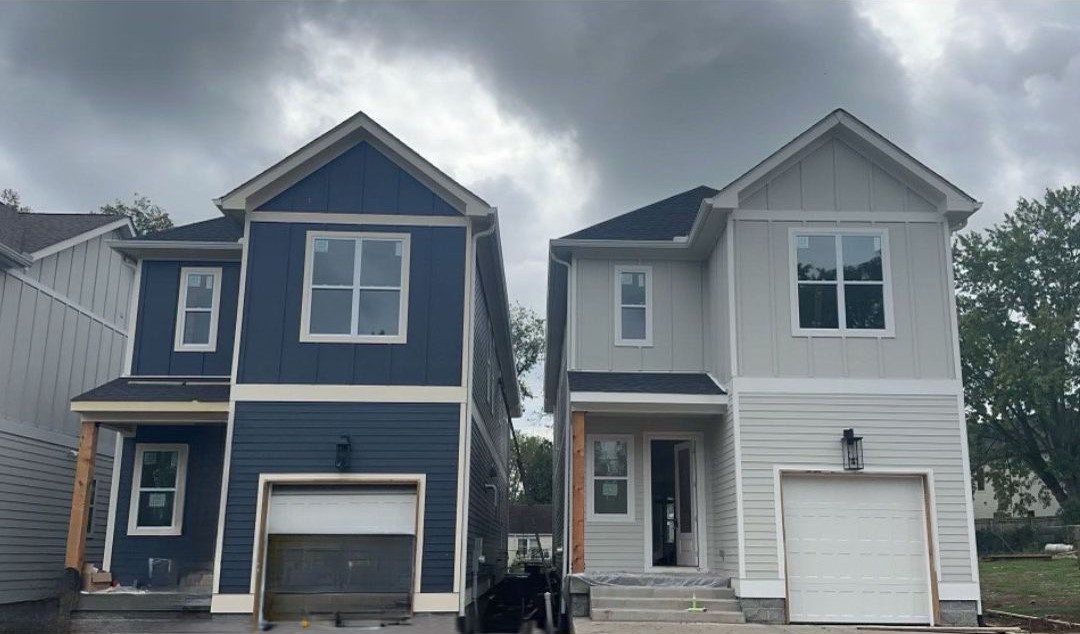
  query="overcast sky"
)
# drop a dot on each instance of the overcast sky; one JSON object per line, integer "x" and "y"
{"x": 559, "y": 114}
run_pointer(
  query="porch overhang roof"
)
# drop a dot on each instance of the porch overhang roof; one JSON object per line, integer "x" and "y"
{"x": 148, "y": 400}
{"x": 675, "y": 392}
{"x": 646, "y": 403}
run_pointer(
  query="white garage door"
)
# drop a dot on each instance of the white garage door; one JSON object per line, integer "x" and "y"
{"x": 338, "y": 510}
{"x": 856, "y": 549}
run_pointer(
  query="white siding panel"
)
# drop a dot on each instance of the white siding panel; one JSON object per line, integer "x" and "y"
{"x": 900, "y": 432}
{"x": 723, "y": 521}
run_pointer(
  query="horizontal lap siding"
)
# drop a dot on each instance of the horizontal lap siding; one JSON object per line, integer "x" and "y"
{"x": 193, "y": 549}
{"x": 36, "y": 477}
{"x": 302, "y": 438}
{"x": 900, "y": 432}
{"x": 155, "y": 332}
{"x": 488, "y": 516}
{"x": 723, "y": 521}
{"x": 271, "y": 350}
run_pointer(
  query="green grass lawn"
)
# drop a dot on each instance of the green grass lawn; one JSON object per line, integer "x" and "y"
{"x": 1036, "y": 587}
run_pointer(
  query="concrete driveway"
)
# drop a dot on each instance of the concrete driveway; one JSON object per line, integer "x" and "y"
{"x": 588, "y": 626}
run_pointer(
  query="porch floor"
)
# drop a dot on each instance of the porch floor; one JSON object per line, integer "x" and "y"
{"x": 176, "y": 600}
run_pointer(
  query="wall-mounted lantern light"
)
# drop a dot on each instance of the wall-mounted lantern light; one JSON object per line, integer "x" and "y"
{"x": 343, "y": 459}
{"x": 852, "y": 448}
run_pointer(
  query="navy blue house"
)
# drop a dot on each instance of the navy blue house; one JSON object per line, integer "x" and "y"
{"x": 316, "y": 399}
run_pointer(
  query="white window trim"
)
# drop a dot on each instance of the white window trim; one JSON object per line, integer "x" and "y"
{"x": 182, "y": 310}
{"x": 843, "y": 331}
{"x": 647, "y": 342}
{"x": 178, "y": 500}
{"x": 309, "y": 265}
{"x": 590, "y": 479}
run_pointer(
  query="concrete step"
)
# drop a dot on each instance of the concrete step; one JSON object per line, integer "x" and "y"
{"x": 660, "y": 592}
{"x": 664, "y": 616}
{"x": 663, "y": 603}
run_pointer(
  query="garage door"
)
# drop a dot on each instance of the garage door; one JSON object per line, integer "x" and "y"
{"x": 334, "y": 549}
{"x": 856, "y": 549}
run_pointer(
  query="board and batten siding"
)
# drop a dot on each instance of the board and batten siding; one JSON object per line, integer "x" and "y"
{"x": 155, "y": 332}
{"x": 63, "y": 328}
{"x": 717, "y": 313}
{"x": 386, "y": 438}
{"x": 619, "y": 546}
{"x": 901, "y": 432}
{"x": 270, "y": 347}
{"x": 922, "y": 347}
{"x": 677, "y": 318}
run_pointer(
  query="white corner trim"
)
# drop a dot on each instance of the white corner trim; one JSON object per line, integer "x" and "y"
{"x": 959, "y": 592}
{"x": 132, "y": 318}
{"x": 232, "y": 603}
{"x": 402, "y": 220}
{"x": 177, "y": 526}
{"x": 913, "y": 387}
{"x": 618, "y": 306}
{"x": 590, "y": 477}
{"x": 114, "y": 497}
{"x": 82, "y": 237}
{"x": 343, "y": 393}
{"x": 356, "y": 288}
{"x": 435, "y": 602}
{"x": 759, "y": 588}
{"x": 182, "y": 309}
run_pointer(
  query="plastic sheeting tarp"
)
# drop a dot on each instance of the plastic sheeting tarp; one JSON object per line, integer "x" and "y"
{"x": 688, "y": 580}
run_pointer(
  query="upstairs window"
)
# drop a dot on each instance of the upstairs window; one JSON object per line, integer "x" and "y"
{"x": 356, "y": 288}
{"x": 633, "y": 306}
{"x": 840, "y": 283}
{"x": 197, "y": 309}
{"x": 157, "y": 490}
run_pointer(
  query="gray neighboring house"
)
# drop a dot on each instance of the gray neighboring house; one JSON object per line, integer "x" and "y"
{"x": 64, "y": 307}
{"x": 757, "y": 389}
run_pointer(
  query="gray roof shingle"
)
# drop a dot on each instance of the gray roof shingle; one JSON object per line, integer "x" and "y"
{"x": 663, "y": 220}
{"x": 169, "y": 389}
{"x": 28, "y": 232}
{"x": 644, "y": 382}
{"x": 222, "y": 229}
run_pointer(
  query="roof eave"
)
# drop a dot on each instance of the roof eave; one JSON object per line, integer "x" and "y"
{"x": 11, "y": 258}
{"x": 141, "y": 249}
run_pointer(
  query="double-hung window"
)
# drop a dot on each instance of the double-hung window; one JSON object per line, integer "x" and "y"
{"x": 157, "y": 490}
{"x": 356, "y": 288}
{"x": 610, "y": 472}
{"x": 197, "y": 309}
{"x": 840, "y": 283}
{"x": 633, "y": 306}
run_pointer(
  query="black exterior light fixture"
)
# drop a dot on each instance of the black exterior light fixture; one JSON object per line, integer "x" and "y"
{"x": 343, "y": 458}
{"x": 852, "y": 448}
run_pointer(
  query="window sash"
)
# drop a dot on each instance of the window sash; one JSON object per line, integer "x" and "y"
{"x": 593, "y": 478}
{"x": 357, "y": 288}
{"x": 839, "y": 283}
{"x": 621, "y": 305}
{"x": 176, "y": 511}
{"x": 180, "y": 343}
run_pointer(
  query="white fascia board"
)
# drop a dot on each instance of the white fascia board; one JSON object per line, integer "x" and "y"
{"x": 171, "y": 249}
{"x": 237, "y": 199}
{"x": 90, "y": 407}
{"x": 631, "y": 402}
{"x": 275, "y": 392}
{"x": 120, "y": 223}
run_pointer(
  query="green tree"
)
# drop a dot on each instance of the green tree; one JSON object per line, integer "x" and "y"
{"x": 536, "y": 457}
{"x": 144, "y": 214}
{"x": 527, "y": 334}
{"x": 11, "y": 198}
{"x": 1018, "y": 295}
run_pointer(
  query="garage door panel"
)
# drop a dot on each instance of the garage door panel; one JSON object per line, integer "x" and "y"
{"x": 342, "y": 511}
{"x": 855, "y": 549}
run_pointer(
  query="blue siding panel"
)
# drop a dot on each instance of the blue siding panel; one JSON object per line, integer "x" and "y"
{"x": 361, "y": 180}
{"x": 156, "y": 327}
{"x": 193, "y": 551}
{"x": 302, "y": 438}
{"x": 271, "y": 350}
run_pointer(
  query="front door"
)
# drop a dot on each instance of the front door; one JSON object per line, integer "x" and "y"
{"x": 685, "y": 506}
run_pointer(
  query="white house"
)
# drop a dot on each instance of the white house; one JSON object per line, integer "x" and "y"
{"x": 756, "y": 392}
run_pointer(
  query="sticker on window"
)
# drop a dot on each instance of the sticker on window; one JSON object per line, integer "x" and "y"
{"x": 322, "y": 245}
{"x": 397, "y": 249}
{"x": 877, "y": 243}
{"x": 804, "y": 242}
{"x": 208, "y": 282}
{"x": 609, "y": 489}
{"x": 156, "y": 500}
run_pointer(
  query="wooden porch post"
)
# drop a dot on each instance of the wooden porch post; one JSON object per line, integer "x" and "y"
{"x": 577, "y": 508}
{"x": 84, "y": 475}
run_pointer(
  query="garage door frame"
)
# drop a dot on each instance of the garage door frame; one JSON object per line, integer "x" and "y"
{"x": 266, "y": 485}
{"x": 926, "y": 476}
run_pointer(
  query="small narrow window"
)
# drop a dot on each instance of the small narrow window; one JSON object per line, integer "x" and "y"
{"x": 633, "y": 309}
{"x": 840, "y": 283}
{"x": 356, "y": 288}
{"x": 157, "y": 490}
{"x": 197, "y": 310}
{"x": 610, "y": 470}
